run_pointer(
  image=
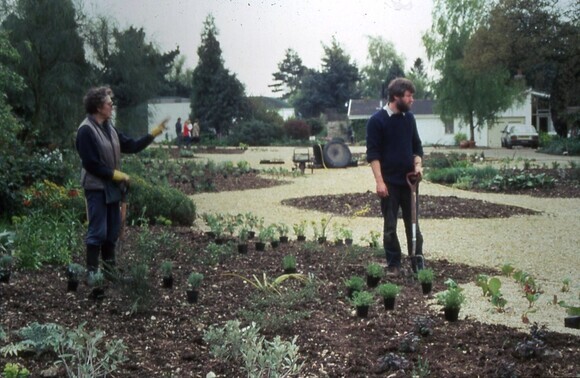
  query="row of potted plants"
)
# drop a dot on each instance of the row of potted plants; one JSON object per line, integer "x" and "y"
{"x": 96, "y": 280}
{"x": 246, "y": 226}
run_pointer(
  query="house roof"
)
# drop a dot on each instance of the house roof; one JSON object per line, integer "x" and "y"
{"x": 364, "y": 108}
{"x": 271, "y": 102}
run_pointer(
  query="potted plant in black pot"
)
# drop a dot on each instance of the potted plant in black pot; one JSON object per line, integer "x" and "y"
{"x": 425, "y": 277}
{"x": 243, "y": 235}
{"x": 346, "y": 234}
{"x": 194, "y": 281}
{"x": 300, "y": 230}
{"x": 362, "y": 300}
{"x": 319, "y": 229}
{"x": 388, "y": 292}
{"x": 374, "y": 274}
{"x": 216, "y": 225}
{"x": 283, "y": 230}
{"x": 74, "y": 273}
{"x": 354, "y": 284}
{"x": 289, "y": 264}
{"x": 6, "y": 262}
{"x": 252, "y": 223}
{"x": 96, "y": 280}
{"x": 451, "y": 300}
{"x": 265, "y": 235}
{"x": 167, "y": 274}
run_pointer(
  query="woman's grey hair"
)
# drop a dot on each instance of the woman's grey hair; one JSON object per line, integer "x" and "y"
{"x": 95, "y": 98}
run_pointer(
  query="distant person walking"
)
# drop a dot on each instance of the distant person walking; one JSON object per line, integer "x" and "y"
{"x": 195, "y": 131}
{"x": 178, "y": 129}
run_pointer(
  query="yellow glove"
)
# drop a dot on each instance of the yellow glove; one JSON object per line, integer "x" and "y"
{"x": 159, "y": 128}
{"x": 120, "y": 176}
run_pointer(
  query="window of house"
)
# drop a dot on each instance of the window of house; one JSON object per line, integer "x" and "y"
{"x": 449, "y": 127}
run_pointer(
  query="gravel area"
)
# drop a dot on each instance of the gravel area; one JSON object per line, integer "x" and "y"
{"x": 545, "y": 246}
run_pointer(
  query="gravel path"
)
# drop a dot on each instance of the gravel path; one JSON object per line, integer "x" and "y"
{"x": 546, "y": 245}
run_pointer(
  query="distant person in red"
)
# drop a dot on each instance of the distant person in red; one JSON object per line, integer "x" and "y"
{"x": 187, "y": 132}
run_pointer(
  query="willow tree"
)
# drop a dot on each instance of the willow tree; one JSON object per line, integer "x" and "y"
{"x": 383, "y": 65}
{"x": 539, "y": 42}
{"x": 473, "y": 95}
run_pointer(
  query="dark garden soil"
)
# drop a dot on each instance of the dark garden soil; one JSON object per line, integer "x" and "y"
{"x": 166, "y": 337}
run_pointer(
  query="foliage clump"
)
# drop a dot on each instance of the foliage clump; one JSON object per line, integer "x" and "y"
{"x": 255, "y": 355}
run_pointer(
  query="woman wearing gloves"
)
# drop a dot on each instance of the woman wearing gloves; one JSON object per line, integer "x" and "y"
{"x": 100, "y": 146}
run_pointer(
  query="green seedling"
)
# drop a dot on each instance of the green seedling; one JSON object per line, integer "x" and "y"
{"x": 499, "y": 302}
{"x": 507, "y": 269}
{"x": 565, "y": 285}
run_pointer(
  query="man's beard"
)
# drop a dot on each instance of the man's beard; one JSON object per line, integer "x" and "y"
{"x": 401, "y": 106}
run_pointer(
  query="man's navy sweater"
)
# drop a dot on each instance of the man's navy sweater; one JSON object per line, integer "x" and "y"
{"x": 394, "y": 141}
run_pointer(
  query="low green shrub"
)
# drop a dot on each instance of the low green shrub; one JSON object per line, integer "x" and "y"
{"x": 151, "y": 201}
{"x": 255, "y": 133}
{"x": 47, "y": 239}
{"x": 517, "y": 180}
{"x": 558, "y": 146}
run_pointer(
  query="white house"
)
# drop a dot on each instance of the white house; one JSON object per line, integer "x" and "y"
{"x": 433, "y": 131}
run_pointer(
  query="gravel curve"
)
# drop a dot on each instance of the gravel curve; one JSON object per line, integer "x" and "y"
{"x": 545, "y": 245}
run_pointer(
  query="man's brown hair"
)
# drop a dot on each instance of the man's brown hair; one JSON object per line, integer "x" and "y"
{"x": 398, "y": 87}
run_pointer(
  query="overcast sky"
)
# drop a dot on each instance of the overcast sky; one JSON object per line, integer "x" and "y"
{"x": 255, "y": 34}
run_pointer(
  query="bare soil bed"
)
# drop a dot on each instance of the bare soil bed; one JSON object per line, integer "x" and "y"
{"x": 167, "y": 338}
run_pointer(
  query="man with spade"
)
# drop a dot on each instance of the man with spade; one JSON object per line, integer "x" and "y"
{"x": 393, "y": 150}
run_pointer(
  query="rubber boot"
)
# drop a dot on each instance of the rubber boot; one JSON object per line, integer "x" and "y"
{"x": 93, "y": 252}
{"x": 108, "y": 253}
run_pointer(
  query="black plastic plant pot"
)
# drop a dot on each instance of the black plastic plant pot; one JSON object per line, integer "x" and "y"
{"x": 348, "y": 241}
{"x": 350, "y": 292}
{"x": 242, "y": 248}
{"x": 260, "y": 246}
{"x": 451, "y": 314}
{"x": 5, "y": 276}
{"x": 373, "y": 281}
{"x": 98, "y": 293}
{"x": 389, "y": 303}
{"x": 289, "y": 270}
{"x": 301, "y": 238}
{"x": 274, "y": 243}
{"x": 192, "y": 296}
{"x": 572, "y": 322}
{"x": 362, "y": 311}
{"x": 283, "y": 239}
{"x": 426, "y": 287}
{"x": 72, "y": 285}
{"x": 168, "y": 282}
{"x": 321, "y": 240}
